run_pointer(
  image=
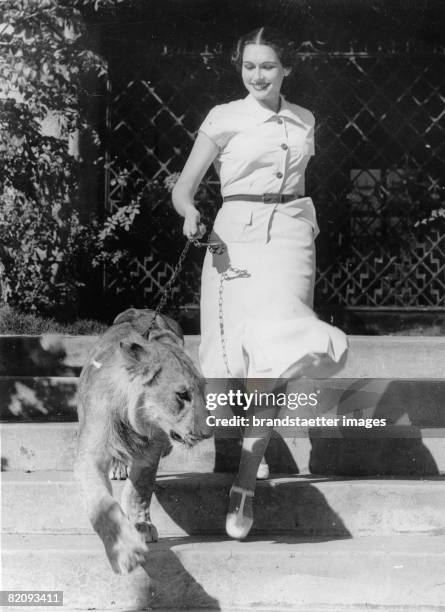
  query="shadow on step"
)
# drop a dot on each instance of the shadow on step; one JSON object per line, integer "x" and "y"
{"x": 289, "y": 505}
{"x": 175, "y": 561}
{"x": 288, "y": 510}
{"x": 35, "y": 356}
{"x": 170, "y": 581}
{"x": 37, "y": 399}
{"x": 353, "y": 455}
{"x": 411, "y": 410}
{"x": 279, "y": 455}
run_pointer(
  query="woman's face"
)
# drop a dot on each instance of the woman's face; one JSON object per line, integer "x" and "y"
{"x": 262, "y": 74}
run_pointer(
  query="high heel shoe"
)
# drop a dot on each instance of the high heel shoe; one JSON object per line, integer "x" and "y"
{"x": 238, "y": 524}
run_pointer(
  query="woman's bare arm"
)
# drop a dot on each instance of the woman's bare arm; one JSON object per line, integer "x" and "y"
{"x": 201, "y": 156}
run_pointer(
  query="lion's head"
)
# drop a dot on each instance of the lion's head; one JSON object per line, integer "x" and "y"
{"x": 162, "y": 395}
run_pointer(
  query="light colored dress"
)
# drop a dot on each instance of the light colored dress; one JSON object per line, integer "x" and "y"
{"x": 256, "y": 298}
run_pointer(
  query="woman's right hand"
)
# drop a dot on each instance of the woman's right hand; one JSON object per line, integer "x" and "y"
{"x": 193, "y": 228}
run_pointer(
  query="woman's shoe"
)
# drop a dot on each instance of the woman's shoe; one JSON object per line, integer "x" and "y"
{"x": 238, "y": 524}
{"x": 263, "y": 471}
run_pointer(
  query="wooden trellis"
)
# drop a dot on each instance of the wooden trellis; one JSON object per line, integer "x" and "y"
{"x": 378, "y": 168}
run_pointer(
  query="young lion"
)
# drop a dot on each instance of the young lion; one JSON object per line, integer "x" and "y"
{"x": 136, "y": 396}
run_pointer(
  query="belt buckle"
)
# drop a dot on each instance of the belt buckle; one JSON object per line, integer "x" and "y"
{"x": 272, "y": 198}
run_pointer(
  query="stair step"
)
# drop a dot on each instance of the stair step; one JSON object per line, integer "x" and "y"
{"x": 369, "y": 356}
{"x": 192, "y": 504}
{"x": 405, "y": 450}
{"x": 280, "y": 571}
{"x": 31, "y": 447}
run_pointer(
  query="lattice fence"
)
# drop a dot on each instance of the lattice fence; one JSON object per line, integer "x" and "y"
{"x": 378, "y": 170}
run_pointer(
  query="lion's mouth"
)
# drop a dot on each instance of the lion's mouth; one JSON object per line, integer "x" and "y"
{"x": 189, "y": 440}
{"x": 176, "y": 437}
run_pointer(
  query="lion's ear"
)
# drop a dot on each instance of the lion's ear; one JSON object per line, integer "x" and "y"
{"x": 139, "y": 361}
{"x": 166, "y": 337}
{"x": 134, "y": 352}
{"x": 125, "y": 317}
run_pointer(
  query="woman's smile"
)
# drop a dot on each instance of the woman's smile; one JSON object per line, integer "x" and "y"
{"x": 260, "y": 86}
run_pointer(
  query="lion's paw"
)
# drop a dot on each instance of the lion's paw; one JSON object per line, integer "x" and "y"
{"x": 128, "y": 550}
{"x": 148, "y": 531}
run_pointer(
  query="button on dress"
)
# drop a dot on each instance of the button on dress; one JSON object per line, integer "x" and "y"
{"x": 261, "y": 288}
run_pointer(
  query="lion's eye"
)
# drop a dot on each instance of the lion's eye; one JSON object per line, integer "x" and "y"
{"x": 183, "y": 395}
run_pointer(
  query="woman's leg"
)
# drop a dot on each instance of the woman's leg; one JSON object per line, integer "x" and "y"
{"x": 256, "y": 437}
{"x": 255, "y": 441}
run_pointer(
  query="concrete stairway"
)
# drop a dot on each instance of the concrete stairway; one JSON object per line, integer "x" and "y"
{"x": 353, "y": 519}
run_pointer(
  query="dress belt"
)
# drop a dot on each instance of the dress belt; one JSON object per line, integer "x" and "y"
{"x": 267, "y": 198}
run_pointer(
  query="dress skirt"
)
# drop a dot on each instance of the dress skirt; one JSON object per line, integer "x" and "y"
{"x": 256, "y": 297}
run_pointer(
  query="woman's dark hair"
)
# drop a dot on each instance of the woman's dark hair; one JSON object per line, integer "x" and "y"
{"x": 280, "y": 43}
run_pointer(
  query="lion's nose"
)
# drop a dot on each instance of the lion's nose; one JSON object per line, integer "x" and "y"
{"x": 207, "y": 433}
{"x": 202, "y": 430}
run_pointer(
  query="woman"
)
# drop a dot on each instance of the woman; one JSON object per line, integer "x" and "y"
{"x": 257, "y": 322}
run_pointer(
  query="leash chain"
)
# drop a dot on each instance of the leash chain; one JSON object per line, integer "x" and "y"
{"x": 221, "y": 322}
{"x": 230, "y": 273}
{"x": 167, "y": 290}
{"x": 227, "y": 274}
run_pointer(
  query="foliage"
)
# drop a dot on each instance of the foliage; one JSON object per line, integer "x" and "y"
{"x": 151, "y": 201}
{"x": 13, "y": 321}
{"x": 47, "y": 55}
{"x": 48, "y": 52}
{"x": 46, "y": 248}
{"x": 38, "y": 228}
{"x": 47, "y": 251}
{"x": 141, "y": 227}
{"x": 39, "y": 249}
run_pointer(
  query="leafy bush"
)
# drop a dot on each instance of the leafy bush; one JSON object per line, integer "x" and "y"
{"x": 148, "y": 224}
{"x": 40, "y": 233}
{"x": 47, "y": 55}
{"x": 48, "y": 252}
{"x": 13, "y": 321}
{"x": 40, "y": 248}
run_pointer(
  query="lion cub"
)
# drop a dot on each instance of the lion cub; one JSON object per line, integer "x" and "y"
{"x": 136, "y": 397}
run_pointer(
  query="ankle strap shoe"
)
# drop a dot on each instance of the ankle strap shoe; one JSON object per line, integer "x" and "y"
{"x": 238, "y": 524}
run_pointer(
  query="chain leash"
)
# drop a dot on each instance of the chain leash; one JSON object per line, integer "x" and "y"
{"x": 230, "y": 273}
{"x": 167, "y": 290}
{"x": 221, "y": 322}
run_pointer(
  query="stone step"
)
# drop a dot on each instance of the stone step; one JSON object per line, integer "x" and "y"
{"x": 31, "y": 447}
{"x": 392, "y": 572}
{"x": 399, "y": 450}
{"x": 369, "y": 356}
{"x": 408, "y": 402}
{"x": 195, "y": 504}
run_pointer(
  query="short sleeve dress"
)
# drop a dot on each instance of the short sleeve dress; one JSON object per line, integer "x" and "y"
{"x": 256, "y": 297}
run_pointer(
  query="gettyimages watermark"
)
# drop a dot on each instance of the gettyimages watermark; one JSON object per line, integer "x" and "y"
{"x": 296, "y": 407}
